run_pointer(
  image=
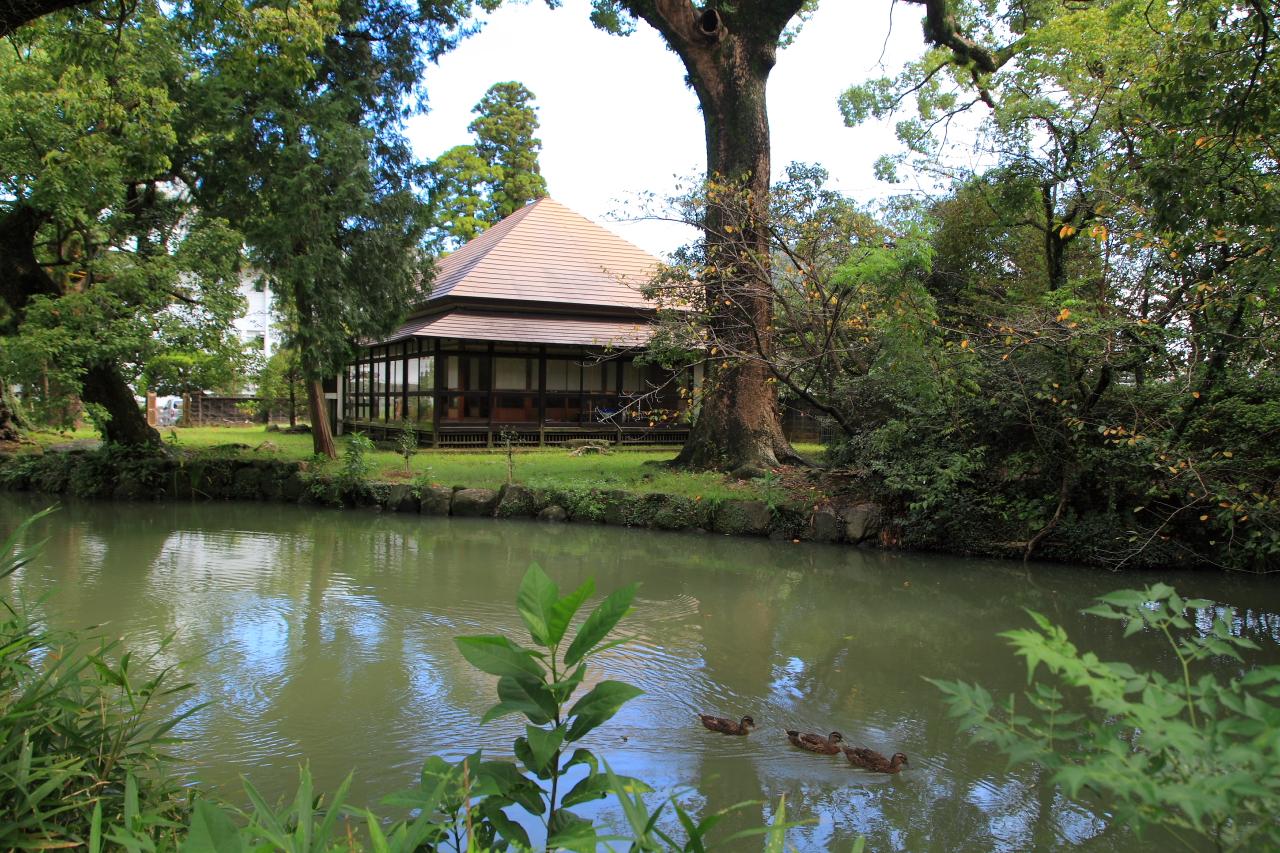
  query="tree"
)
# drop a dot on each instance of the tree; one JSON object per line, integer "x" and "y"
{"x": 98, "y": 240}
{"x": 459, "y": 209}
{"x": 728, "y": 51}
{"x": 847, "y": 290}
{"x": 192, "y": 372}
{"x": 474, "y": 186}
{"x": 505, "y": 124}
{"x": 282, "y": 384}
{"x": 315, "y": 172}
{"x": 1111, "y": 272}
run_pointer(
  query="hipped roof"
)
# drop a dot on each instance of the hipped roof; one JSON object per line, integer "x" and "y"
{"x": 546, "y": 253}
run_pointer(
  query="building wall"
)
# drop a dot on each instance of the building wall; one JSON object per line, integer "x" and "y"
{"x": 258, "y": 324}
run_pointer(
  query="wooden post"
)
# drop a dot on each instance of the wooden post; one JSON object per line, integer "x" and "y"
{"x": 152, "y": 414}
{"x": 542, "y": 395}
{"x": 437, "y": 383}
{"x": 492, "y": 399}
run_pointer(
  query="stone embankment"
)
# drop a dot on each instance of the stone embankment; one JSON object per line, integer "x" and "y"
{"x": 106, "y": 475}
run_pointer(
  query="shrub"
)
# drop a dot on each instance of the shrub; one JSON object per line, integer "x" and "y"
{"x": 407, "y": 442}
{"x": 354, "y": 471}
{"x": 1197, "y": 754}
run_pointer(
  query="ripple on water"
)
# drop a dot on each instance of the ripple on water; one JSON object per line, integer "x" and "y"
{"x": 329, "y": 637}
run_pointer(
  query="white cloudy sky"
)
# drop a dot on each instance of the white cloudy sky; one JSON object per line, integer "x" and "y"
{"x": 618, "y": 120}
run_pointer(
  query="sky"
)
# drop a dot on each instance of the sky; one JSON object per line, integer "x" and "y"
{"x": 617, "y": 119}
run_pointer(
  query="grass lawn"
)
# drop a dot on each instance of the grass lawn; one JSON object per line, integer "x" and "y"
{"x": 541, "y": 467}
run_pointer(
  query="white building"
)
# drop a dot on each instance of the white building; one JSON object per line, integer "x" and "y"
{"x": 258, "y": 325}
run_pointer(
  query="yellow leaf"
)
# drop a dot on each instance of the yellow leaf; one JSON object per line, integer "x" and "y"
{"x": 1066, "y": 231}
{"x": 1204, "y": 518}
{"x": 1064, "y": 314}
{"x": 1227, "y": 453}
{"x": 1195, "y": 394}
{"x": 964, "y": 344}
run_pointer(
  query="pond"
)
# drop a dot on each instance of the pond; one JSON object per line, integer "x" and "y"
{"x": 327, "y": 637}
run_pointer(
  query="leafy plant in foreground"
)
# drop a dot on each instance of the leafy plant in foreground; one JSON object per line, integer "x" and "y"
{"x": 538, "y": 684}
{"x": 1196, "y": 754}
{"x": 80, "y": 743}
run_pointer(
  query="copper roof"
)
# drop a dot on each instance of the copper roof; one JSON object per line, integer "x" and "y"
{"x": 529, "y": 328}
{"x": 545, "y": 252}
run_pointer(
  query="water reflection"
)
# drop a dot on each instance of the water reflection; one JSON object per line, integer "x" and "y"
{"x": 328, "y": 637}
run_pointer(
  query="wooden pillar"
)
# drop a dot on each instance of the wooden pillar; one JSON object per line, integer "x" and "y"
{"x": 542, "y": 395}
{"x": 437, "y": 380}
{"x": 152, "y": 414}
{"x": 404, "y": 380}
{"x": 489, "y": 376}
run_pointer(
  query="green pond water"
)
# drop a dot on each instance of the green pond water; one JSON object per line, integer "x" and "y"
{"x": 325, "y": 636}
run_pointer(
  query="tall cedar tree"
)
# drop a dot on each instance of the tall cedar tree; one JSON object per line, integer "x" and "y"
{"x": 473, "y": 186}
{"x": 505, "y": 124}
{"x": 728, "y": 50}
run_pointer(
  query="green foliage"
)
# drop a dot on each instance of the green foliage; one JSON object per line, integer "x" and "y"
{"x": 1193, "y": 751}
{"x": 282, "y": 385}
{"x": 186, "y": 373}
{"x": 345, "y": 482}
{"x": 543, "y": 687}
{"x": 81, "y": 747}
{"x": 355, "y": 463}
{"x": 509, "y": 438}
{"x": 1105, "y": 285}
{"x": 407, "y": 442}
{"x": 314, "y": 169}
{"x": 473, "y": 186}
{"x": 106, "y": 261}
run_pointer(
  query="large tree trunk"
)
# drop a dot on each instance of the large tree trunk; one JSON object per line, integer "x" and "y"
{"x": 321, "y": 434}
{"x": 728, "y": 54}
{"x": 9, "y": 427}
{"x": 21, "y": 276}
{"x": 127, "y": 424}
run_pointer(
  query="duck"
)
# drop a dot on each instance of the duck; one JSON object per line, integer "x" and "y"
{"x": 728, "y": 727}
{"x": 869, "y": 759}
{"x": 816, "y": 743}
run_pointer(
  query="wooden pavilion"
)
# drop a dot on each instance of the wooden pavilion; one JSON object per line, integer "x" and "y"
{"x": 531, "y": 329}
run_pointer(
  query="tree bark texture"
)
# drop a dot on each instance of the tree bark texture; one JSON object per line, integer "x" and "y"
{"x": 321, "y": 433}
{"x": 22, "y": 278}
{"x": 728, "y": 53}
{"x": 9, "y": 428}
{"x": 127, "y": 424}
{"x": 15, "y": 13}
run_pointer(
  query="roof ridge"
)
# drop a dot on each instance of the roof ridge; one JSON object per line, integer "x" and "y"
{"x": 547, "y": 252}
